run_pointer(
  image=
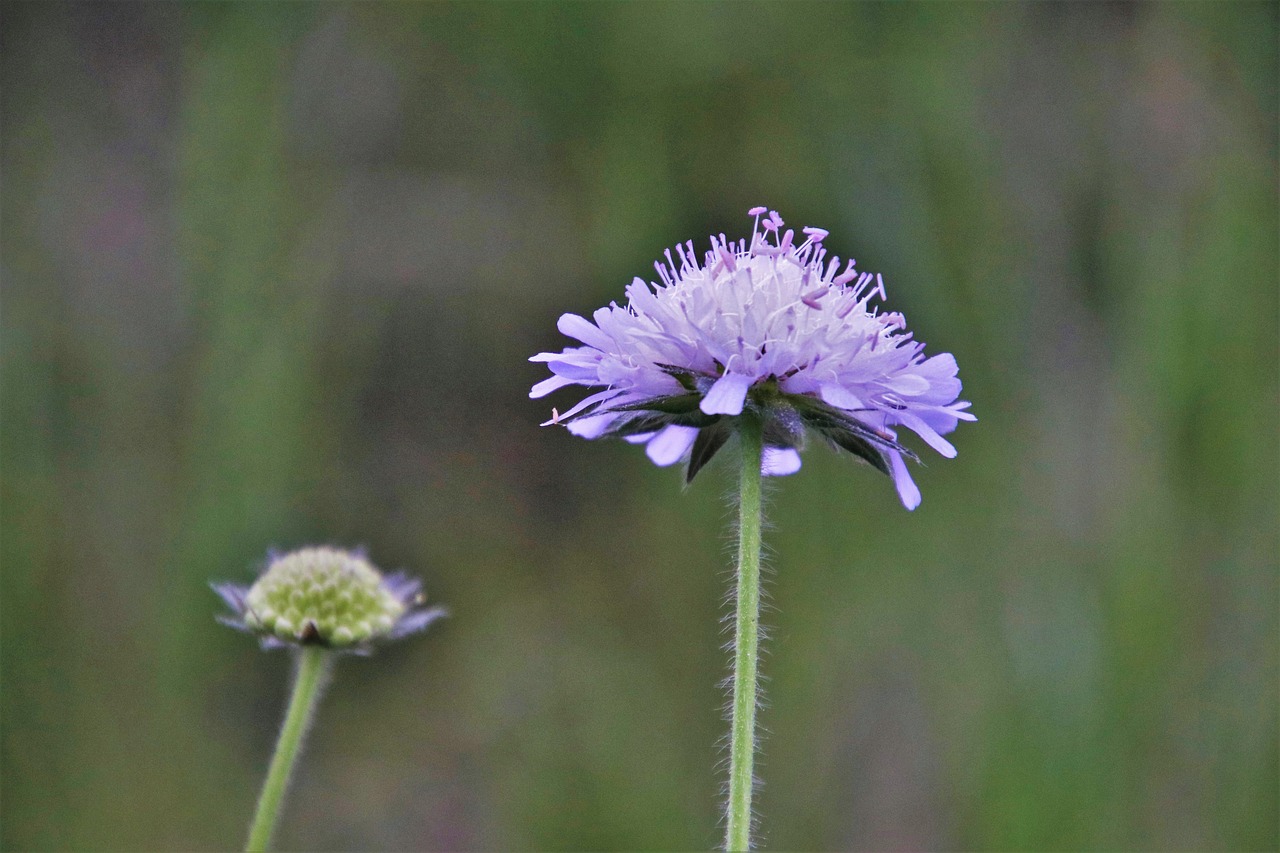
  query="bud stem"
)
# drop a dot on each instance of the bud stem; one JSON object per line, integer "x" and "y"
{"x": 746, "y": 638}
{"x": 313, "y": 667}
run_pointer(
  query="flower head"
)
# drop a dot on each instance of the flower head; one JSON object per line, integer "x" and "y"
{"x": 327, "y": 597}
{"x": 771, "y": 326}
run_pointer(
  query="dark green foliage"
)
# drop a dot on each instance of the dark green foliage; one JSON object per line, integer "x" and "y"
{"x": 677, "y": 404}
{"x": 860, "y": 447}
{"x": 705, "y": 447}
{"x": 849, "y": 433}
{"x": 646, "y": 423}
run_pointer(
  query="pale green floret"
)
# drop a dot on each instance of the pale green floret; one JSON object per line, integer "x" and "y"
{"x": 322, "y": 595}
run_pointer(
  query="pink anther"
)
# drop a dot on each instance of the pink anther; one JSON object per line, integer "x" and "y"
{"x": 727, "y": 257}
{"x": 847, "y": 276}
{"x": 811, "y": 298}
{"x": 786, "y": 240}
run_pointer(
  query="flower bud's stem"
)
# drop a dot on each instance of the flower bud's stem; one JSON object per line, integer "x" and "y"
{"x": 313, "y": 667}
{"x": 746, "y": 637}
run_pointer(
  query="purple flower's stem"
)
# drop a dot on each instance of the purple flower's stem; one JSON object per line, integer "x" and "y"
{"x": 313, "y": 668}
{"x": 746, "y": 639}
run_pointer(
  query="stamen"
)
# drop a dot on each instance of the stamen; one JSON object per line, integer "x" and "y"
{"x": 811, "y": 298}
{"x": 726, "y": 256}
{"x": 847, "y": 276}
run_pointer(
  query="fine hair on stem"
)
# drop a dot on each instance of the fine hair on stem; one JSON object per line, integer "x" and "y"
{"x": 746, "y": 639}
{"x": 311, "y": 676}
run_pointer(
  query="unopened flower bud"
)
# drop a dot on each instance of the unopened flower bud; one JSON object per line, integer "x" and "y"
{"x": 329, "y": 597}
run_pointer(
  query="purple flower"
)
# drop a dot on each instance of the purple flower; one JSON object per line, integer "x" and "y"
{"x": 324, "y": 596}
{"x": 776, "y": 328}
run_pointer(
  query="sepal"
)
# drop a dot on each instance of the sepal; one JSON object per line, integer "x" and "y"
{"x": 860, "y": 448}
{"x": 705, "y": 446}
{"x": 833, "y": 422}
{"x": 675, "y": 404}
{"x": 651, "y": 422}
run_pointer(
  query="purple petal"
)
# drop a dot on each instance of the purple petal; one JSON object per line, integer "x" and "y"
{"x": 727, "y": 395}
{"x": 671, "y": 444}
{"x": 591, "y": 399}
{"x": 232, "y": 594}
{"x": 780, "y": 461}
{"x": 942, "y": 419}
{"x": 592, "y": 426}
{"x": 232, "y": 623}
{"x": 570, "y": 355}
{"x": 585, "y": 331}
{"x": 907, "y": 490}
{"x": 922, "y": 429}
{"x": 546, "y": 386}
{"x": 577, "y": 369}
{"x": 402, "y": 586}
{"x": 940, "y": 370}
{"x": 907, "y": 384}
{"x": 839, "y": 396}
{"x": 415, "y": 621}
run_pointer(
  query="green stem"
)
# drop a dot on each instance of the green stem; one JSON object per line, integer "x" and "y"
{"x": 313, "y": 666}
{"x": 746, "y": 640}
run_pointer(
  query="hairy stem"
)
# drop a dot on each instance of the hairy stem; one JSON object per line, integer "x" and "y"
{"x": 313, "y": 666}
{"x": 745, "y": 640}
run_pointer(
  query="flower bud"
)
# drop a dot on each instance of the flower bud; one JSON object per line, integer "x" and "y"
{"x": 329, "y": 597}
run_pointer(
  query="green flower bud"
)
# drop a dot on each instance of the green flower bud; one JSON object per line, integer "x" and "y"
{"x": 327, "y": 597}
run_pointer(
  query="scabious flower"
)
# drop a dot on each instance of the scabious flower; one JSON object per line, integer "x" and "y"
{"x": 770, "y": 326}
{"x": 327, "y": 597}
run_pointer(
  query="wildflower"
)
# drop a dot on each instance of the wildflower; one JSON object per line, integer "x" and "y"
{"x": 327, "y": 597}
{"x": 767, "y": 325}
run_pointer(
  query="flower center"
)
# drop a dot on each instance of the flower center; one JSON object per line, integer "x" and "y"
{"x": 322, "y": 595}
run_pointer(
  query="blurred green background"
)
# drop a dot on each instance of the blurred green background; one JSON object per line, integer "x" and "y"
{"x": 271, "y": 274}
